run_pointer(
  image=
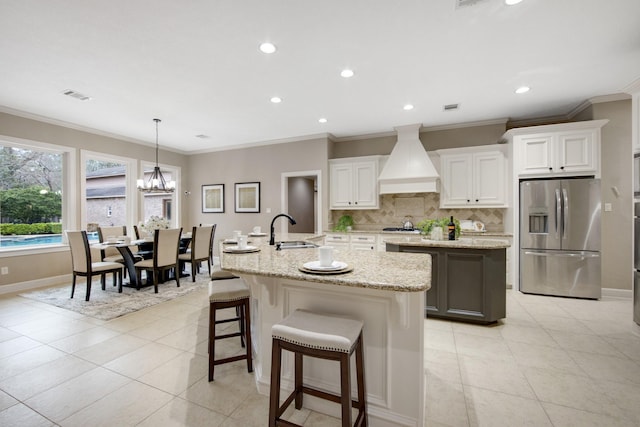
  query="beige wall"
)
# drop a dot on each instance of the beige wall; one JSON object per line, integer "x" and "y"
{"x": 265, "y": 164}
{"x": 617, "y": 171}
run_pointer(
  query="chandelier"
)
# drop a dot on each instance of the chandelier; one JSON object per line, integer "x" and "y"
{"x": 156, "y": 182}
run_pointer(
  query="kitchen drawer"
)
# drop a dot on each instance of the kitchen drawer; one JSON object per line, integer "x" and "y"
{"x": 363, "y": 238}
{"x": 336, "y": 238}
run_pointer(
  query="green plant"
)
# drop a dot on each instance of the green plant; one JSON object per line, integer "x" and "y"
{"x": 343, "y": 222}
{"x": 427, "y": 225}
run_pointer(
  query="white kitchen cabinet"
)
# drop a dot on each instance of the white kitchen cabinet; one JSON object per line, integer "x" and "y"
{"x": 354, "y": 183}
{"x": 337, "y": 240}
{"x": 559, "y": 153}
{"x": 473, "y": 177}
{"x": 363, "y": 242}
{"x": 354, "y": 242}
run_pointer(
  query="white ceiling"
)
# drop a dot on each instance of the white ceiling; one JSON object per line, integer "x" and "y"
{"x": 196, "y": 65}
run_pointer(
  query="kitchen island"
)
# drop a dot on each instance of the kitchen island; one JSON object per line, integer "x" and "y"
{"x": 468, "y": 276}
{"x": 385, "y": 290}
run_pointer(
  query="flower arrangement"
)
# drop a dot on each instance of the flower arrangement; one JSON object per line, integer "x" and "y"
{"x": 154, "y": 223}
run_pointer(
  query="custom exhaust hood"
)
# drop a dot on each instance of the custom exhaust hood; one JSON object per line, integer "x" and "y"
{"x": 409, "y": 168}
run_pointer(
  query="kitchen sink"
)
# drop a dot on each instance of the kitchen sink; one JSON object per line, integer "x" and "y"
{"x": 294, "y": 244}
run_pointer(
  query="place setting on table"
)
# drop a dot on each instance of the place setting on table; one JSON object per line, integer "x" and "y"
{"x": 239, "y": 244}
{"x": 325, "y": 264}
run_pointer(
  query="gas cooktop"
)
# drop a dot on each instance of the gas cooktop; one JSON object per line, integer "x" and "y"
{"x": 401, "y": 229}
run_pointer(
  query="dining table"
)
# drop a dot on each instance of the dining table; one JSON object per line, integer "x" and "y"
{"x": 130, "y": 258}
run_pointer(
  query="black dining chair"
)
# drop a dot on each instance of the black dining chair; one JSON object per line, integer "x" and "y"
{"x": 201, "y": 245}
{"x": 166, "y": 244}
{"x": 83, "y": 266}
{"x": 144, "y": 250}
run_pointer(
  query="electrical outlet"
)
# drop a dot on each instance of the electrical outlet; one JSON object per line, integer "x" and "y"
{"x": 4, "y": 270}
{"x": 607, "y": 207}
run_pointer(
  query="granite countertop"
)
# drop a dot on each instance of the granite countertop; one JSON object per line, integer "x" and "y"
{"x": 413, "y": 233}
{"x": 389, "y": 271}
{"x": 462, "y": 243}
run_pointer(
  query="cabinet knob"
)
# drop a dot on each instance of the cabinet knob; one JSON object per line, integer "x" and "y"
{"x": 477, "y": 200}
{"x": 468, "y": 201}
{"x": 349, "y": 202}
{"x": 550, "y": 169}
{"x": 562, "y": 167}
{"x": 356, "y": 203}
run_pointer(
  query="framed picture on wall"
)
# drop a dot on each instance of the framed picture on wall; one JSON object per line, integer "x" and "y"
{"x": 248, "y": 197}
{"x": 213, "y": 198}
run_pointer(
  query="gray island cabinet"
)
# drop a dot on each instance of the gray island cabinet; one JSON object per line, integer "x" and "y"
{"x": 468, "y": 277}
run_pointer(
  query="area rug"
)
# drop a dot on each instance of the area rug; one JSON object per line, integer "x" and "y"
{"x": 109, "y": 304}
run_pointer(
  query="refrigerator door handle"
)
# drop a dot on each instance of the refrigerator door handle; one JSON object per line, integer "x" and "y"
{"x": 558, "y": 212}
{"x": 565, "y": 216}
{"x": 555, "y": 254}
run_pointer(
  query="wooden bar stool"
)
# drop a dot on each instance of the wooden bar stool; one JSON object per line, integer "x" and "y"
{"x": 225, "y": 294}
{"x": 323, "y": 336}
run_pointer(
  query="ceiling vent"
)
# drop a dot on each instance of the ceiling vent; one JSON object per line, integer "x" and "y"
{"x": 463, "y": 3}
{"x": 451, "y": 107}
{"x": 203, "y": 136}
{"x": 76, "y": 95}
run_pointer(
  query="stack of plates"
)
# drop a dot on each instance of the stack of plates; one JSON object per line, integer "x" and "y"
{"x": 314, "y": 267}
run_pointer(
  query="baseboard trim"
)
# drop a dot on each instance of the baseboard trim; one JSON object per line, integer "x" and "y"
{"x": 617, "y": 293}
{"x": 34, "y": 284}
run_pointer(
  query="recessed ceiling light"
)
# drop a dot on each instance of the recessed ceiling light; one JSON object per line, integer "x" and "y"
{"x": 450, "y": 107}
{"x": 276, "y": 100}
{"x": 346, "y": 73}
{"x": 267, "y": 47}
{"x": 511, "y": 2}
{"x": 523, "y": 89}
{"x": 407, "y": 107}
{"x": 322, "y": 120}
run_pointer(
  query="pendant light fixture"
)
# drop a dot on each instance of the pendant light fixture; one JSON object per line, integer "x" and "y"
{"x": 156, "y": 182}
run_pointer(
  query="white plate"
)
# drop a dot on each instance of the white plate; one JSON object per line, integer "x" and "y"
{"x": 238, "y": 250}
{"x": 315, "y": 265}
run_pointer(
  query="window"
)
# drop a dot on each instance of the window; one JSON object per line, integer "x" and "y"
{"x": 109, "y": 196}
{"x": 161, "y": 204}
{"x": 34, "y": 193}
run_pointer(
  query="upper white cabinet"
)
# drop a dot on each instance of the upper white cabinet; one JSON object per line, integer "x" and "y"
{"x": 562, "y": 153}
{"x": 473, "y": 177}
{"x": 567, "y": 149}
{"x": 354, "y": 183}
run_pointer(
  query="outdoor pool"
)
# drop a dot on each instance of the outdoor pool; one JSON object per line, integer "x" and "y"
{"x": 42, "y": 239}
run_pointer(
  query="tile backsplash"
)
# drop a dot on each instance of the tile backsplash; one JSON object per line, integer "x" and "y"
{"x": 394, "y": 208}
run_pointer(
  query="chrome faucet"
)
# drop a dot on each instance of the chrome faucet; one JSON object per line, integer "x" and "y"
{"x": 292, "y": 221}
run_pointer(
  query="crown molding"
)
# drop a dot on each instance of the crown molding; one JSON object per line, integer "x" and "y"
{"x": 633, "y": 87}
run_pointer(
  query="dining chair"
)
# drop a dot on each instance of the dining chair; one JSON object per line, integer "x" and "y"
{"x": 213, "y": 235}
{"x": 144, "y": 250}
{"x": 201, "y": 245}
{"x": 111, "y": 254}
{"x": 166, "y": 244}
{"x": 83, "y": 266}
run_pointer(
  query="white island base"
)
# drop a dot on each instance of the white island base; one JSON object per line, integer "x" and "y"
{"x": 393, "y": 344}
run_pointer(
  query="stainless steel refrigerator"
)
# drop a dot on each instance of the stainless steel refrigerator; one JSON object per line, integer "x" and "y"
{"x": 560, "y": 237}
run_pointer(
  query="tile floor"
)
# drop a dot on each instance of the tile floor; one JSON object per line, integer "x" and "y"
{"x": 552, "y": 362}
